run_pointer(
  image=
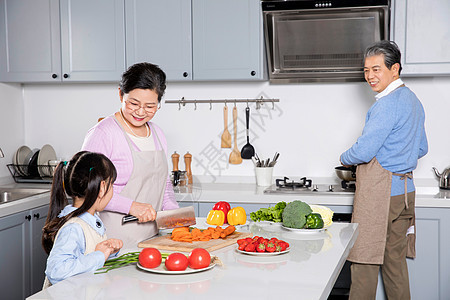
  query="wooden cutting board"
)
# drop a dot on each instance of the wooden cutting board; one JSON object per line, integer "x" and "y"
{"x": 165, "y": 243}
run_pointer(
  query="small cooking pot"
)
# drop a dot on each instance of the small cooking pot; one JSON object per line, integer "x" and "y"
{"x": 346, "y": 173}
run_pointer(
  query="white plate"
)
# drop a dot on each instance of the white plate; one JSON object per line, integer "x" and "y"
{"x": 304, "y": 230}
{"x": 264, "y": 253}
{"x": 161, "y": 269}
{"x": 268, "y": 223}
{"x": 46, "y": 154}
{"x": 204, "y": 225}
{"x": 20, "y": 158}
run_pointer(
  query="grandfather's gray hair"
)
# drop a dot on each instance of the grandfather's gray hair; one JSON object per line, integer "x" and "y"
{"x": 389, "y": 50}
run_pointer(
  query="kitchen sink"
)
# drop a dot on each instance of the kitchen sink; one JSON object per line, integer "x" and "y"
{"x": 12, "y": 194}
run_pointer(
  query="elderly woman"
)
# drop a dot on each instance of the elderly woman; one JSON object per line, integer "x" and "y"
{"x": 138, "y": 149}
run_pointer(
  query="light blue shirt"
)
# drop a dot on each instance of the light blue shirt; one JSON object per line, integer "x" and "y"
{"x": 67, "y": 257}
{"x": 394, "y": 133}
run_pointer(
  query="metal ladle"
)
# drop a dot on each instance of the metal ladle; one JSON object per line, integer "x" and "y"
{"x": 248, "y": 151}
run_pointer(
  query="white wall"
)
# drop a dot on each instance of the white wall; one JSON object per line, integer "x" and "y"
{"x": 11, "y": 123}
{"x": 310, "y": 126}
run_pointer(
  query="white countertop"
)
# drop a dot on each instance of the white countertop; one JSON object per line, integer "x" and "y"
{"x": 309, "y": 269}
{"x": 243, "y": 190}
{"x": 16, "y": 206}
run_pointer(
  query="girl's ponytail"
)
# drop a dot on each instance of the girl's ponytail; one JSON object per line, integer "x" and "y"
{"x": 58, "y": 201}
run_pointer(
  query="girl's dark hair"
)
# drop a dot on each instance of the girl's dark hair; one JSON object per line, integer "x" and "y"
{"x": 144, "y": 76}
{"x": 81, "y": 178}
{"x": 389, "y": 50}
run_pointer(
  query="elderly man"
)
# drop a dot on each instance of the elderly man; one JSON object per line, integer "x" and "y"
{"x": 392, "y": 141}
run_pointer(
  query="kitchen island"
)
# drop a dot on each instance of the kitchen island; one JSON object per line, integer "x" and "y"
{"x": 307, "y": 271}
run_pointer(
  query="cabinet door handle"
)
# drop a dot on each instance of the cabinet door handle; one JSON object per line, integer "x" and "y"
{"x": 253, "y": 73}
{"x": 36, "y": 215}
{"x": 185, "y": 74}
{"x": 54, "y": 76}
{"x": 28, "y": 217}
{"x": 66, "y": 75}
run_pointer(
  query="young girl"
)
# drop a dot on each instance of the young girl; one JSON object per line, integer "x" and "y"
{"x": 73, "y": 235}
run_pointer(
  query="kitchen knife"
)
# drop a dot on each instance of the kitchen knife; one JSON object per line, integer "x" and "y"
{"x": 172, "y": 218}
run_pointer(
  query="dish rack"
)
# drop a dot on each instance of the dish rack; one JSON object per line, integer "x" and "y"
{"x": 31, "y": 174}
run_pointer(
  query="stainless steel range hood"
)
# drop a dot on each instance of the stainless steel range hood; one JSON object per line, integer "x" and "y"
{"x": 321, "y": 41}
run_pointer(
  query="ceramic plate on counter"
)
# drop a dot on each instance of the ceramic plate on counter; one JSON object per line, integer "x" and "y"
{"x": 264, "y": 253}
{"x": 204, "y": 225}
{"x": 161, "y": 269}
{"x": 268, "y": 223}
{"x": 296, "y": 230}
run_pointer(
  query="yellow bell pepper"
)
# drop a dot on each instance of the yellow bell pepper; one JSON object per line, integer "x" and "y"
{"x": 215, "y": 217}
{"x": 237, "y": 216}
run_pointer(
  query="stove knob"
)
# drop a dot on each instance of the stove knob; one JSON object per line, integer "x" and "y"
{"x": 330, "y": 188}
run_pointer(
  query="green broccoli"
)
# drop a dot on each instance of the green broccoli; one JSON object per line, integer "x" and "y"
{"x": 294, "y": 214}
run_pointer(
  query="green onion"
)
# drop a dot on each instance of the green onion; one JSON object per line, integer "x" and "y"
{"x": 124, "y": 260}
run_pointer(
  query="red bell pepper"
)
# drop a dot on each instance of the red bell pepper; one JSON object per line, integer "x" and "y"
{"x": 223, "y": 206}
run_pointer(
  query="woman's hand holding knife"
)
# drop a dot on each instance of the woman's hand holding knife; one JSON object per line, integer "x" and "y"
{"x": 143, "y": 211}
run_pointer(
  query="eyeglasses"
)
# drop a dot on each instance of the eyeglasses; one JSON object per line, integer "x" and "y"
{"x": 133, "y": 106}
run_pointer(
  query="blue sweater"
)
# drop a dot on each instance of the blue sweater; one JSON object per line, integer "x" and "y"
{"x": 394, "y": 133}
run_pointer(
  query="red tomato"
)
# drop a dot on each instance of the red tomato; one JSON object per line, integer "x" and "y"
{"x": 199, "y": 258}
{"x": 150, "y": 258}
{"x": 176, "y": 262}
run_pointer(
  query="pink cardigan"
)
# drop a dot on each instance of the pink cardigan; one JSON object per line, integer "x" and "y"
{"x": 108, "y": 138}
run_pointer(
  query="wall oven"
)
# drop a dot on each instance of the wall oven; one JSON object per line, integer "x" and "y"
{"x": 314, "y": 41}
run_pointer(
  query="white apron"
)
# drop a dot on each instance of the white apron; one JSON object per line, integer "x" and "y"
{"x": 91, "y": 237}
{"x": 146, "y": 185}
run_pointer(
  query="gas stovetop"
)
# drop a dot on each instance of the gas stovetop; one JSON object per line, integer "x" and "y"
{"x": 306, "y": 186}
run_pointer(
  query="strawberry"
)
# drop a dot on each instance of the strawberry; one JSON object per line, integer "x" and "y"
{"x": 243, "y": 245}
{"x": 250, "y": 247}
{"x": 282, "y": 245}
{"x": 240, "y": 241}
{"x": 261, "y": 247}
{"x": 270, "y": 247}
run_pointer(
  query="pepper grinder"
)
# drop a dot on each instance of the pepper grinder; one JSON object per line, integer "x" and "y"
{"x": 175, "y": 159}
{"x": 187, "y": 161}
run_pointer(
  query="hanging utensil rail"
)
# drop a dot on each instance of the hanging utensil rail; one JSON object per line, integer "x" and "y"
{"x": 259, "y": 102}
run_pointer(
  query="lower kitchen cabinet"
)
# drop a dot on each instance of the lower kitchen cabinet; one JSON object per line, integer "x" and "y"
{"x": 430, "y": 270}
{"x": 188, "y": 203}
{"x": 22, "y": 258}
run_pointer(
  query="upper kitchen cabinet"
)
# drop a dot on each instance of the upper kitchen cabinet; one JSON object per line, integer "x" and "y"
{"x": 62, "y": 40}
{"x": 197, "y": 39}
{"x": 160, "y": 32}
{"x": 421, "y": 30}
{"x": 227, "y": 40}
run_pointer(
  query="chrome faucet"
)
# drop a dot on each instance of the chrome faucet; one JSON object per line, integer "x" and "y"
{"x": 1, "y": 153}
